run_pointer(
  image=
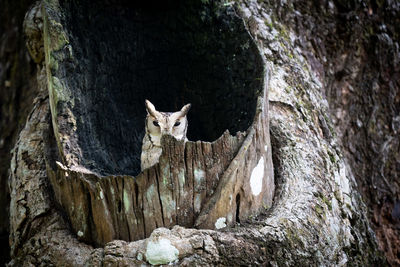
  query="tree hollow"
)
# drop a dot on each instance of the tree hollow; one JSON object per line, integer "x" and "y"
{"x": 102, "y": 62}
{"x": 172, "y": 53}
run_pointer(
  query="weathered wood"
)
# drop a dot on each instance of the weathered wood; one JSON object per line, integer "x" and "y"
{"x": 18, "y": 90}
{"x": 104, "y": 208}
{"x": 247, "y": 185}
{"x": 223, "y": 182}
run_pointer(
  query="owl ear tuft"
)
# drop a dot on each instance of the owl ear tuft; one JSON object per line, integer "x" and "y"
{"x": 185, "y": 109}
{"x": 151, "y": 109}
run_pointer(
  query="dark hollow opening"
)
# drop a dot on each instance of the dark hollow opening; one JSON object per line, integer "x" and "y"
{"x": 170, "y": 52}
{"x": 238, "y": 208}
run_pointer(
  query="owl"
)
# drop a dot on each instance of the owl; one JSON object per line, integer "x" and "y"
{"x": 159, "y": 124}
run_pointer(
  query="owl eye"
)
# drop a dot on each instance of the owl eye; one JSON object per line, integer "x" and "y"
{"x": 177, "y": 123}
{"x": 156, "y": 123}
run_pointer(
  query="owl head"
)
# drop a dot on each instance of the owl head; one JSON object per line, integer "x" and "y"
{"x": 162, "y": 123}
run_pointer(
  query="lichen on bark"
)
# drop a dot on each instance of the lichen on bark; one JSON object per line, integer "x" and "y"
{"x": 317, "y": 218}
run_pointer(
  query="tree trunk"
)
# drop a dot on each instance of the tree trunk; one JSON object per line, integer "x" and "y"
{"x": 17, "y": 91}
{"x": 317, "y": 216}
{"x": 95, "y": 119}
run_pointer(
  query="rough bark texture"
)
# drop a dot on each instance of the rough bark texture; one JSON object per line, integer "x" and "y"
{"x": 17, "y": 90}
{"x": 318, "y": 217}
{"x": 195, "y": 183}
{"x": 353, "y": 47}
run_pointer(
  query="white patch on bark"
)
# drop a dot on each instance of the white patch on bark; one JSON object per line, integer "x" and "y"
{"x": 199, "y": 175}
{"x": 256, "y": 178}
{"x": 197, "y": 203}
{"x": 126, "y": 199}
{"x": 161, "y": 252}
{"x": 220, "y": 223}
{"x": 139, "y": 256}
{"x": 229, "y": 217}
{"x": 80, "y": 233}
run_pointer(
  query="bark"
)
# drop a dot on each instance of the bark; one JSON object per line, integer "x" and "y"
{"x": 195, "y": 183}
{"x": 318, "y": 216}
{"x": 356, "y": 55}
{"x": 17, "y": 90}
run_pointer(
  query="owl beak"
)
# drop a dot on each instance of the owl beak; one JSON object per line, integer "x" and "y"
{"x": 166, "y": 131}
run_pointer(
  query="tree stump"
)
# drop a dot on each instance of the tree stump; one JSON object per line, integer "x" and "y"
{"x": 102, "y": 61}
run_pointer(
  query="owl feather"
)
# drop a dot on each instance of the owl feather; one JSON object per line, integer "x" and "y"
{"x": 158, "y": 124}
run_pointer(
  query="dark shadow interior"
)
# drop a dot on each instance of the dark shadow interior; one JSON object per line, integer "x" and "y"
{"x": 170, "y": 52}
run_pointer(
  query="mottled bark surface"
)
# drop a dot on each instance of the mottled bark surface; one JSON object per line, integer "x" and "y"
{"x": 318, "y": 217}
{"x": 17, "y": 90}
{"x": 353, "y": 47}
